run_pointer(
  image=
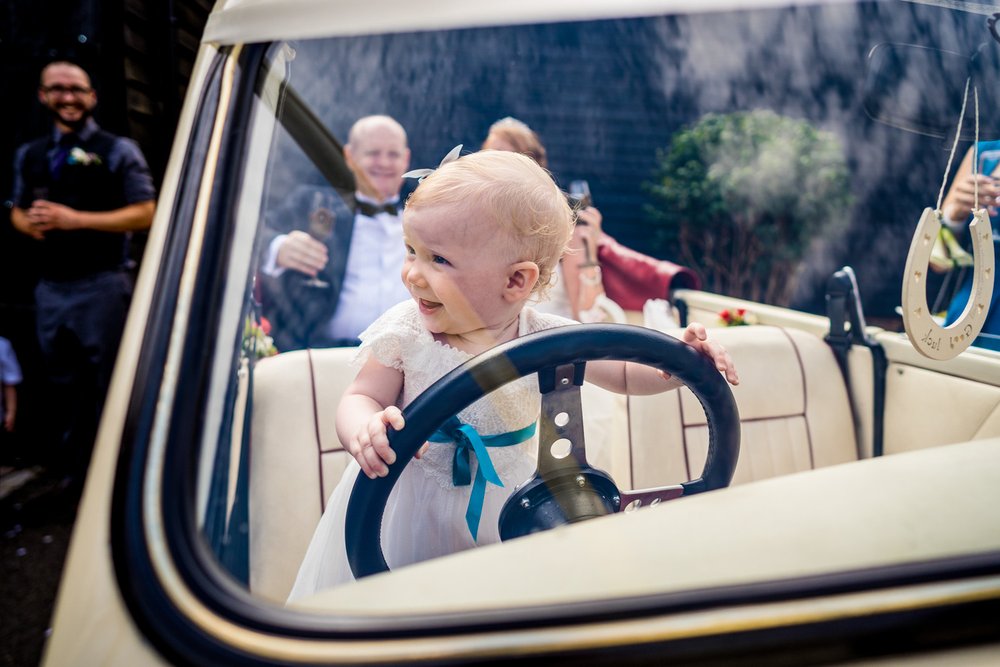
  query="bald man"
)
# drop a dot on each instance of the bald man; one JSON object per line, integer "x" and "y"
{"x": 323, "y": 288}
{"x": 78, "y": 192}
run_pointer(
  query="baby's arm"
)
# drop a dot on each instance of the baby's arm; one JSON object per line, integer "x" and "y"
{"x": 365, "y": 411}
{"x": 636, "y": 379}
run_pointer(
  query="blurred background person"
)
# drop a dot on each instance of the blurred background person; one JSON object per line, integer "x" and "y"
{"x": 957, "y": 210}
{"x": 577, "y": 285}
{"x": 332, "y": 265}
{"x": 79, "y": 192}
{"x": 576, "y": 289}
{"x": 10, "y": 377}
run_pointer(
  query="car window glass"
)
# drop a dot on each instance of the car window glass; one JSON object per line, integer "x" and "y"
{"x": 755, "y": 123}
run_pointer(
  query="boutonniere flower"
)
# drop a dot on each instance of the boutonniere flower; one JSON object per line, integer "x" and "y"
{"x": 80, "y": 156}
{"x": 256, "y": 341}
{"x": 738, "y": 317}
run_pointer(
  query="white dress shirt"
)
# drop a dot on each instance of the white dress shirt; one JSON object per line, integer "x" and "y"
{"x": 372, "y": 282}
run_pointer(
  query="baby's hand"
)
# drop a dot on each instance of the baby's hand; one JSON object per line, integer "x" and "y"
{"x": 370, "y": 447}
{"x": 697, "y": 337}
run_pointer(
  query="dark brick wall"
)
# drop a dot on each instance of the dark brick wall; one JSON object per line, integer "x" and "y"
{"x": 139, "y": 56}
{"x": 615, "y": 92}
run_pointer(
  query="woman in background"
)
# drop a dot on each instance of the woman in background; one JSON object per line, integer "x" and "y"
{"x": 577, "y": 285}
{"x": 576, "y": 291}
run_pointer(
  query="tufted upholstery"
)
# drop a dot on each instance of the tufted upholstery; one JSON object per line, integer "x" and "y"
{"x": 794, "y": 411}
{"x": 292, "y": 471}
{"x": 793, "y": 419}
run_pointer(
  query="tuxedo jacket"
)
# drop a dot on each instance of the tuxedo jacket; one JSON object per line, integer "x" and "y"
{"x": 299, "y": 312}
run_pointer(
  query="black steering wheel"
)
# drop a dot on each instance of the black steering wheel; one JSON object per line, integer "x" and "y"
{"x": 564, "y": 489}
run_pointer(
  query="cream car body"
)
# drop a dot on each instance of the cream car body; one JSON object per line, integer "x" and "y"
{"x": 908, "y": 541}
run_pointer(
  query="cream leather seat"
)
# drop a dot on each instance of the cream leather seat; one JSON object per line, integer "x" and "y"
{"x": 794, "y": 411}
{"x": 295, "y": 459}
{"x": 793, "y": 406}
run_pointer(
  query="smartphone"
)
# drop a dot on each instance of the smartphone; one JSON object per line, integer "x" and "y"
{"x": 988, "y": 162}
{"x": 578, "y": 197}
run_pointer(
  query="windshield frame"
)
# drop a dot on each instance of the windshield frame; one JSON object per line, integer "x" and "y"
{"x": 153, "y": 595}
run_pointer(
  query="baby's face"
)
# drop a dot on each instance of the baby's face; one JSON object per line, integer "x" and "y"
{"x": 456, "y": 268}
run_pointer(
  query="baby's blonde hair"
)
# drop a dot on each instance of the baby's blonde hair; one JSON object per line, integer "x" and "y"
{"x": 521, "y": 197}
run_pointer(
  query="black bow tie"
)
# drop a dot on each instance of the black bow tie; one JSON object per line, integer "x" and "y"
{"x": 371, "y": 210}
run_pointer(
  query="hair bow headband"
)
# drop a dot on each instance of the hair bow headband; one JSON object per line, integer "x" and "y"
{"x": 421, "y": 174}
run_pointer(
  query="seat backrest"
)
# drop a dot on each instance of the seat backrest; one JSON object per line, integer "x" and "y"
{"x": 295, "y": 459}
{"x": 794, "y": 409}
{"x": 927, "y": 406}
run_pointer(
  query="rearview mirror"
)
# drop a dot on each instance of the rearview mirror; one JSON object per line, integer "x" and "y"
{"x": 919, "y": 89}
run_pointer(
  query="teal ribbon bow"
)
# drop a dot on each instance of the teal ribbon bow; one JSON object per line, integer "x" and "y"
{"x": 467, "y": 440}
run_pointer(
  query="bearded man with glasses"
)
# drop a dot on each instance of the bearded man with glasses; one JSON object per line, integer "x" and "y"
{"x": 79, "y": 192}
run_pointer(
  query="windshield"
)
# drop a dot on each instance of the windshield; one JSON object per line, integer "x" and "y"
{"x": 756, "y": 151}
{"x": 801, "y": 85}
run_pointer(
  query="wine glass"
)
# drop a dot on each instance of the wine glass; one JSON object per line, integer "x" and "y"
{"x": 321, "y": 221}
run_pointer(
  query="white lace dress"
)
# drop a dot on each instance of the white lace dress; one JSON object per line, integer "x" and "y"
{"x": 425, "y": 514}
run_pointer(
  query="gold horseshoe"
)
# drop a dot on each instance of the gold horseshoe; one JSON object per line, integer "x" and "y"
{"x": 928, "y": 337}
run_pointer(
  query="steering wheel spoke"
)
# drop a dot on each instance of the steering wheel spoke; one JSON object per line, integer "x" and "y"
{"x": 633, "y": 500}
{"x": 562, "y": 443}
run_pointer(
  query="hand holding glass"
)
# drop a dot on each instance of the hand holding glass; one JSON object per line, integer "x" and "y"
{"x": 321, "y": 220}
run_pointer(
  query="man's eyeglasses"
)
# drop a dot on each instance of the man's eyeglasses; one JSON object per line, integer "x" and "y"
{"x": 78, "y": 91}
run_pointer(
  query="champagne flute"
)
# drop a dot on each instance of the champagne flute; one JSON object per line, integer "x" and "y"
{"x": 321, "y": 221}
{"x": 40, "y": 193}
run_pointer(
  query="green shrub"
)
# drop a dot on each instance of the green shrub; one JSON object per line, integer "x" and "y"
{"x": 740, "y": 197}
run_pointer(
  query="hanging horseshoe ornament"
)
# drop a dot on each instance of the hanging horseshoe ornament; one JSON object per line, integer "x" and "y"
{"x": 928, "y": 337}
